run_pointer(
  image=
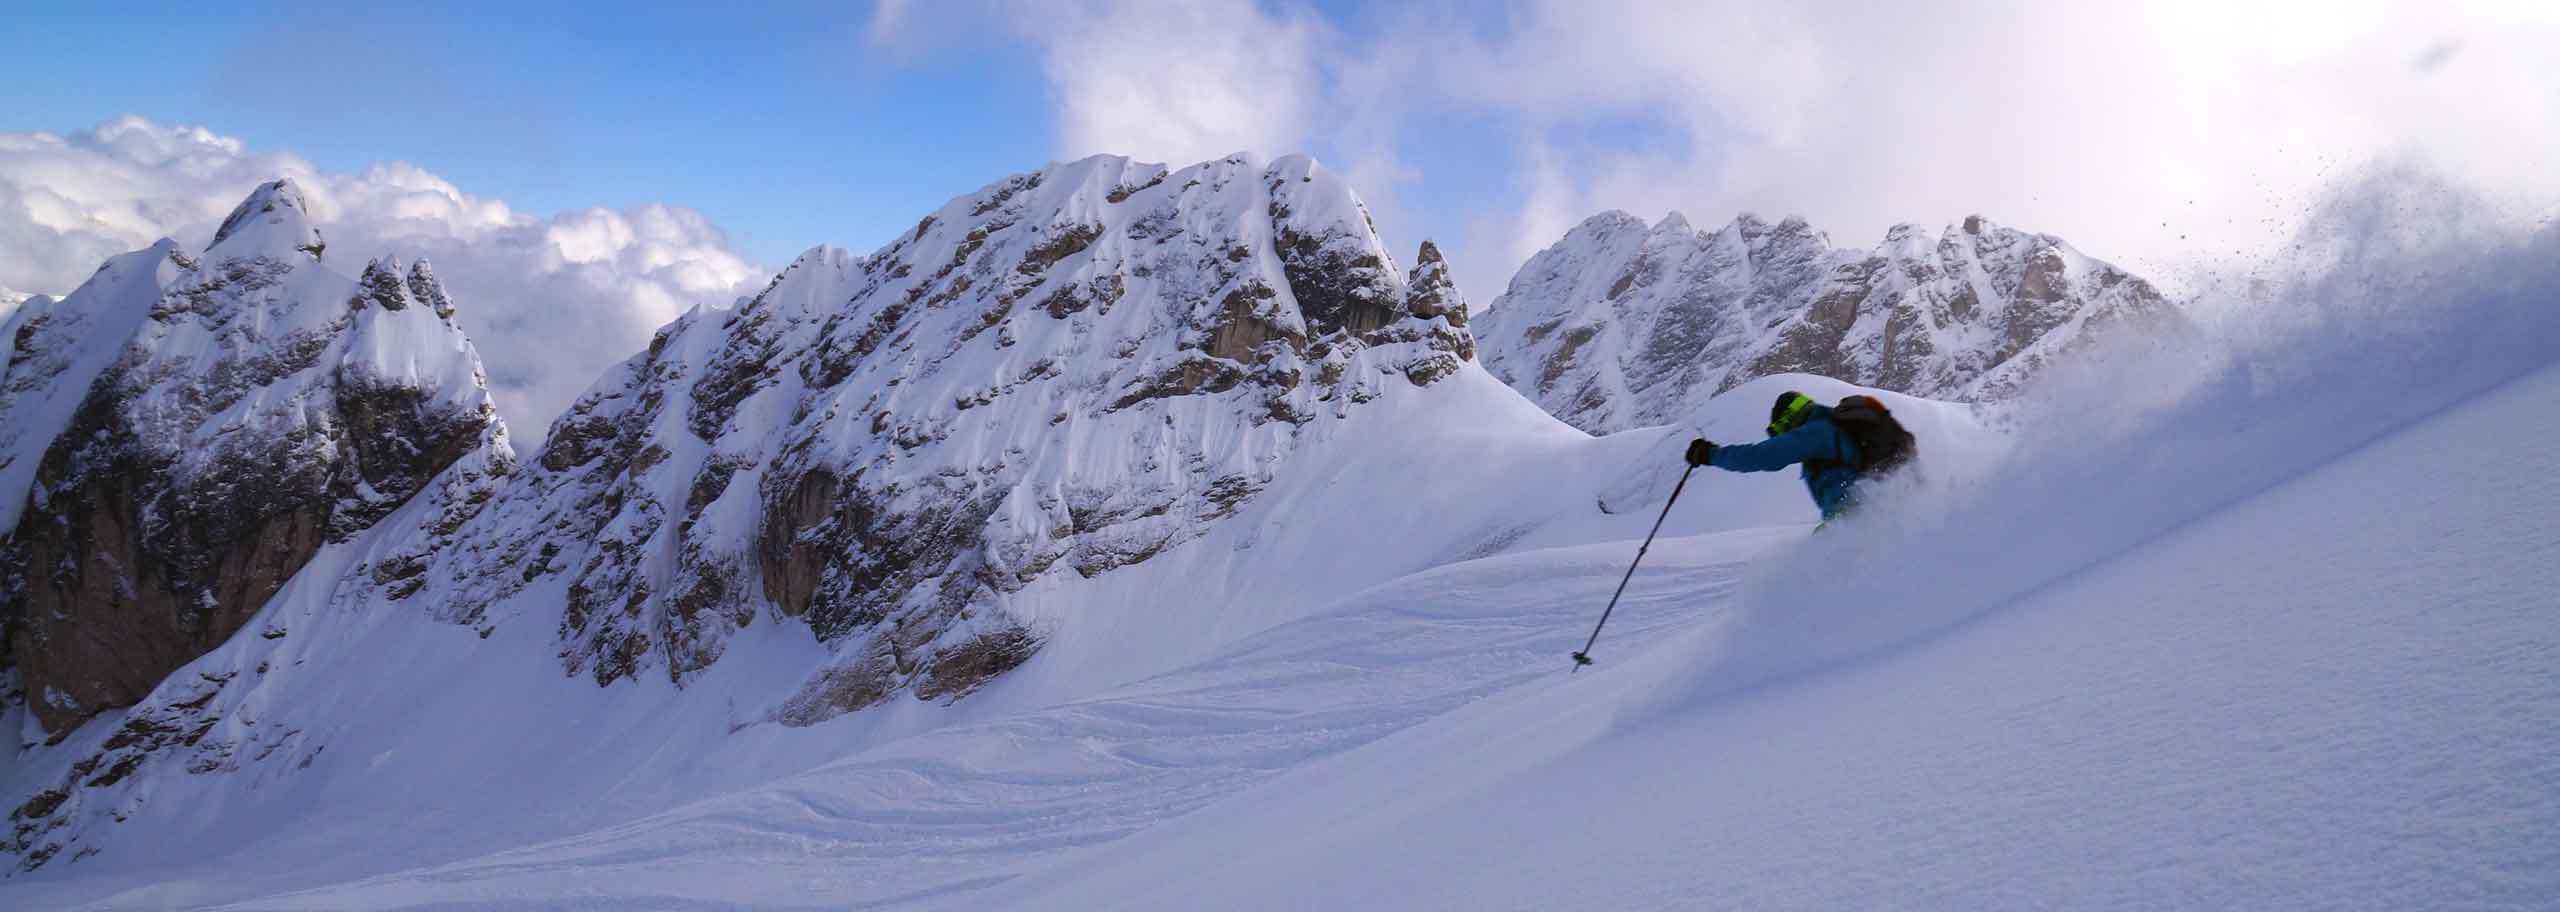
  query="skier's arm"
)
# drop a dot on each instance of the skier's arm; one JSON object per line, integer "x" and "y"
{"x": 1807, "y": 442}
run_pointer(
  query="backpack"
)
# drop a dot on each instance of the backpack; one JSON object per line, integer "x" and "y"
{"x": 1882, "y": 443}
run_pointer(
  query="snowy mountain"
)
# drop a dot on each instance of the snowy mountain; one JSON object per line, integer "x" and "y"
{"x": 184, "y": 433}
{"x": 1067, "y": 372}
{"x": 2107, "y": 663}
{"x": 912, "y": 458}
{"x": 1622, "y": 325}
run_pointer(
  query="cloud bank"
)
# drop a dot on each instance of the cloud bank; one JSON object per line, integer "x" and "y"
{"x": 551, "y": 302}
{"x": 1187, "y": 81}
{"x": 2167, "y": 136}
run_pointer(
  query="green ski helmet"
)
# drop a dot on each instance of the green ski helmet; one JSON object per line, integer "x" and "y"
{"x": 1789, "y": 412}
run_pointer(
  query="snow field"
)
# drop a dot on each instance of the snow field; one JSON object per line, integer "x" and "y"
{"x": 957, "y": 810}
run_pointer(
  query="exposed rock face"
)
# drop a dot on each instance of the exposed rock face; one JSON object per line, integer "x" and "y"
{"x": 1064, "y": 373}
{"x": 261, "y": 407}
{"x": 56, "y": 349}
{"x": 1622, "y": 325}
{"x": 1436, "y": 318}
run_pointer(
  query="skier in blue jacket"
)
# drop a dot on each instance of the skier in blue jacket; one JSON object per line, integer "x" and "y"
{"x": 1802, "y": 432}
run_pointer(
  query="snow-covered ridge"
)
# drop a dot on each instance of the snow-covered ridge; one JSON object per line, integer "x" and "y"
{"x": 1621, "y": 324}
{"x": 1068, "y": 371}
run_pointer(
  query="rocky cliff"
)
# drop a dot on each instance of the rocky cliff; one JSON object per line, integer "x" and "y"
{"x": 186, "y": 432}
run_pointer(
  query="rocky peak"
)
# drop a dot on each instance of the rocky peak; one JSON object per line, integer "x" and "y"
{"x": 273, "y": 221}
{"x": 1066, "y": 372}
{"x": 1437, "y": 313}
{"x": 427, "y": 291}
{"x": 245, "y": 410}
{"x": 1607, "y": 224}
{"x": 1615, "y": 327}
{"x": 385, "y": 285}
{"x": 1754, "y": 238}
{"x": 1335, "y": 266}
{"x": 1430, "y": 291}
{"x": 1906, "y": 241}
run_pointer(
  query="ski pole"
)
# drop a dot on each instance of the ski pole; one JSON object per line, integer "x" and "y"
{"x": 1583, "y": 657}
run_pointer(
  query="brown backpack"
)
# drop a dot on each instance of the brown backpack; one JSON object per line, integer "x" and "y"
{"x": 1882, "y": 443}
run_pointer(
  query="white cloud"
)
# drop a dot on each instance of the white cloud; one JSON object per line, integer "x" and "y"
{"x": 2163, "y": 135}
{"x": 888, "y": 19}
{"x": 1172, "y": 80}
{"x": 550, "y": 302}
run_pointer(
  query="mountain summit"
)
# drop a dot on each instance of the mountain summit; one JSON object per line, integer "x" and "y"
{"x": 1624, "y": 325}
{"x": 184, "y": 433}
{"x": 1068, "y": 371}
{"x": 273, "y": 219}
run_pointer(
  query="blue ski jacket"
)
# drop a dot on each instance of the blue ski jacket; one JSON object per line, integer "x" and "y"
{"x": 1829, "y": 458}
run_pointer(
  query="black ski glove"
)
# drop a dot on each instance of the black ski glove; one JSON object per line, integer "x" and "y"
{"x": 1701, "y": 452}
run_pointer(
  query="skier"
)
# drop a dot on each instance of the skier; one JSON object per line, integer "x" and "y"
{"x": 1837, "y": 445}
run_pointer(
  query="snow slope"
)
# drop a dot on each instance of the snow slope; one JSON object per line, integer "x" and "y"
{"x": 2199, "y": 722}
{"x": 424, "y": 712}
{"x": 2265, "y": 628}
{"x": 2257, "y": 626}
{"x": 2342, "y": 693}
{"x": 951, "y": 813}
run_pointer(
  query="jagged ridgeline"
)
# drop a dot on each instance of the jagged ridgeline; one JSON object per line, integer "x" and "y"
{"x": 183, "y": 434}
{"x": 1066, "y": 372}
{"x": 1622, "y": 325}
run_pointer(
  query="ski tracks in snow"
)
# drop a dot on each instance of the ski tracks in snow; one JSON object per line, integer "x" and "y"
{"x": 962, "y": 809}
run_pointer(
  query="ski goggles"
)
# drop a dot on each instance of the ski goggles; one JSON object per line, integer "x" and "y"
{"x": 1793, "y": 417}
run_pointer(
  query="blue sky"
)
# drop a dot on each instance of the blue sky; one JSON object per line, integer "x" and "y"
{"x": 780, "y": 120}
{"x": 1490, "y": 126}
{"x": 776, "y": 119}
{"x": 786, "y": 123}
